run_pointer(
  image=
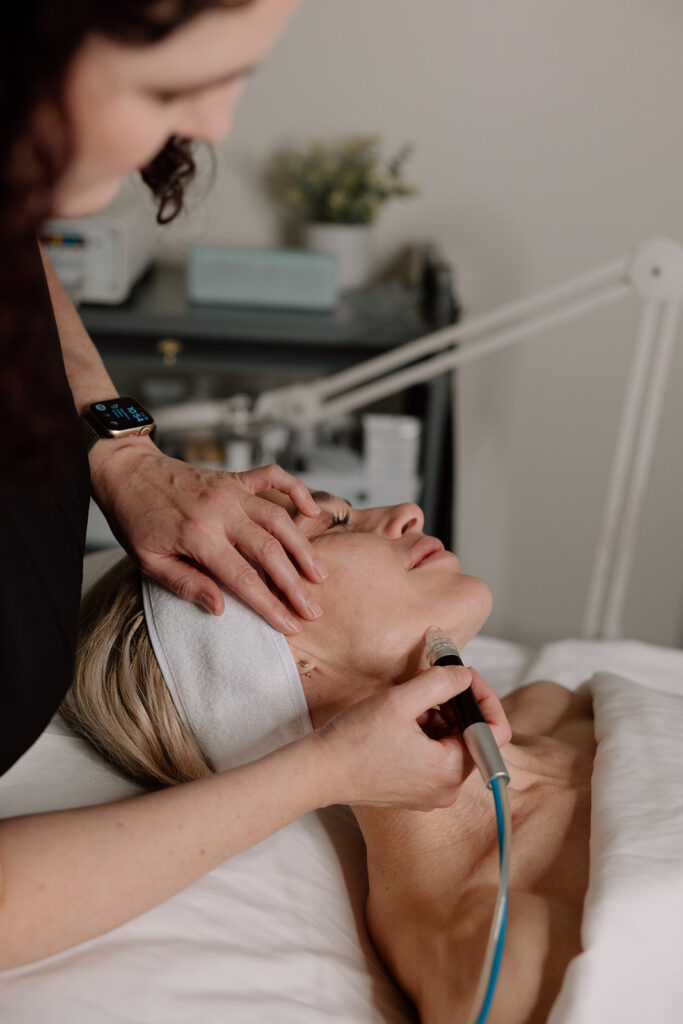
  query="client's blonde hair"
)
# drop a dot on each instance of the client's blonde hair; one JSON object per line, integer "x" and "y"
{"x": 119, "y": 700}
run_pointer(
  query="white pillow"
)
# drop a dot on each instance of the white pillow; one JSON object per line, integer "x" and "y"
{"x": 632, "y": 925}
{"x": 275, "y": 934}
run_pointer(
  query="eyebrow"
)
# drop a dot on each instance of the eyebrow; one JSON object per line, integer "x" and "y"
{"x": 188, "y": 88}
{"x": 319, "y": 496}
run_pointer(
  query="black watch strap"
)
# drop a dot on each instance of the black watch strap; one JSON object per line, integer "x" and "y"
{"x": 90, "y": 435}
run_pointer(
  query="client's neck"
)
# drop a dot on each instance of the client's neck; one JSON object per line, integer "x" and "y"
{"x": 333, "y": 680}
{"x": 327, "y": 694}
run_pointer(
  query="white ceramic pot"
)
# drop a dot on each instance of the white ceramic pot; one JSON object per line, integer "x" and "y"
{"x": 350, "y": 243}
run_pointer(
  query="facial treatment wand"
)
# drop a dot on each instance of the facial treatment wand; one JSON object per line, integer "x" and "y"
{"x": 466, "y": 713}
{"x": 478, "y": 738}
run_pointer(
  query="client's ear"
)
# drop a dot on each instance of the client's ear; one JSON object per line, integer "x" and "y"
{"x": 304, "y": 659}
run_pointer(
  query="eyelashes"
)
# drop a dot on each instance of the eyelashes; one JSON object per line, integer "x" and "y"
{"x": 166, "y": 98}
{"x": 340, "y": 520}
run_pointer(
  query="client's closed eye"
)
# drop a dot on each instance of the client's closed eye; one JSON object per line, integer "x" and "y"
{"x": 340, "y": 519}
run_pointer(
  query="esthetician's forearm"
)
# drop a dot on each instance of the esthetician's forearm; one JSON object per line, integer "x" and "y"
{"x": 68, "y": 876}
{"x": 86, "y": 373}
{"x": 88, "y": 378}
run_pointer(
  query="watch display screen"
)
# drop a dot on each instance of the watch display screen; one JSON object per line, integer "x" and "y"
{"x": 120, "y": 414}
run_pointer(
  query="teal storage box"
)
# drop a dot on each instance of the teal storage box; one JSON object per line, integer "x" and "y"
{"x": 262, "y": 278}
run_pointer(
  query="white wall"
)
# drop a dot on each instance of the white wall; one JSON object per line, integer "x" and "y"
{"x": 548, "y": 139}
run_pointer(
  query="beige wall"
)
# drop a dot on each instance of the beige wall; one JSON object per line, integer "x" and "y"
{"x": 548, "y": 139}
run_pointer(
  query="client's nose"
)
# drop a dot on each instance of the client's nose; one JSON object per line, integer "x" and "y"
{"x": 402, "y": 519}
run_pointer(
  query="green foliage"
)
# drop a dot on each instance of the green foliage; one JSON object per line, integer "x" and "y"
{"x": 342, "y": 183}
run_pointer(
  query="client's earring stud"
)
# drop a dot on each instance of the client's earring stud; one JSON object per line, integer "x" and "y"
{"x": 305, "y": 668}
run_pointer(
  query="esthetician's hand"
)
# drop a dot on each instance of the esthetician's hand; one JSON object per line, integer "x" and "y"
{"x": 376, "y": 751}
{"x": 192, "y": 528}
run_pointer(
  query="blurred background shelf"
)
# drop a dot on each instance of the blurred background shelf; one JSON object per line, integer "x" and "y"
{"x": 162, "y": 348}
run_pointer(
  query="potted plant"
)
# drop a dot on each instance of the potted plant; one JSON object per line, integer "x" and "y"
{"x": 335, "y": 191}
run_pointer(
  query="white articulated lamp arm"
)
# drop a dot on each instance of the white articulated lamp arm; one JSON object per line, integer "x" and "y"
{"x": 653, "y": 272}
{"x": 656, "y": 275}
{"x": 447, "y": 349}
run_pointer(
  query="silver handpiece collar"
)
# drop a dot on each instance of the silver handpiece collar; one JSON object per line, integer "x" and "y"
{"x": 484, "y": 751}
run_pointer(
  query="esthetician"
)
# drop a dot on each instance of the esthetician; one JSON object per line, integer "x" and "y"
{"x": 89, "y": 91}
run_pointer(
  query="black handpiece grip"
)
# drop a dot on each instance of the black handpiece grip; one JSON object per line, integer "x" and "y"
{"x": 464, "y": 705}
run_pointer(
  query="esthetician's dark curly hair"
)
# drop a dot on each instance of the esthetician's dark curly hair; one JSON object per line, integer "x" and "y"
{"x": 35, "y": 148}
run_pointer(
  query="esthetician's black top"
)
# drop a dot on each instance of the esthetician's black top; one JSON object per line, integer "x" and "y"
{"x": 42, "y": 539}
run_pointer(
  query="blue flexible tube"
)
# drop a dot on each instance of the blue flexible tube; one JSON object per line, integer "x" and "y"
{"x": 502, "y": 823}
{"x": 500, "y": 820}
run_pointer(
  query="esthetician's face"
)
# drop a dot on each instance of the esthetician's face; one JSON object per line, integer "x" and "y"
{"x": 124, "y": 101}
{"x": 388, "y": 583}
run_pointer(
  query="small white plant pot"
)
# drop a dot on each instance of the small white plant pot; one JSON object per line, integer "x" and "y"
{"x": 350, "y": 243}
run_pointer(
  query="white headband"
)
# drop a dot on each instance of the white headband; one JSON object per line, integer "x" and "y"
{"x": 232, "y": 677}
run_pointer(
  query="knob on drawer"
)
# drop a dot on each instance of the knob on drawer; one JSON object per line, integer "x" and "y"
{"x": 170, "y": 349}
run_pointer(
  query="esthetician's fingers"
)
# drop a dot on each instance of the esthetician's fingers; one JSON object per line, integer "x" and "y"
{"x": 183, "y": 523}
{"x": 186, "y": 580}
{"x": 238, "y": 575}
{"x": 266, "y": 478}
{"x": 277, "y": 522}
{"x": 491, "y": 709}
{"x": 430, "y": 689}
{"x": 441, "y": 723}
{"x": 434, "y": 724}
{"x": 268, "y": 551}
{"x": 264, "y": 549}
{"x": 375, "y": 752}
{"x": 194, "y": 584}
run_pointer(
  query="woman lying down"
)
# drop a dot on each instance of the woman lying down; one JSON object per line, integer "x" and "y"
{"x": 161, "y": 710}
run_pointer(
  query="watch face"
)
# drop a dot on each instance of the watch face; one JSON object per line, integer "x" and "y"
{"x": 121, "y": 414}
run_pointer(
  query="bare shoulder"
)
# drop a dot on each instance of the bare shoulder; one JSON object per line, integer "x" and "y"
{"x": 542, "y": 706}
{"x": 542, "y": 937}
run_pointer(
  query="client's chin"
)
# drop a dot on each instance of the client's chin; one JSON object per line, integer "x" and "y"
{"x": 469, "y": 607}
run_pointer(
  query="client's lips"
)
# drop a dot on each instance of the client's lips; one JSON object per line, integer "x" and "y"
{"x": 423, "y": 549}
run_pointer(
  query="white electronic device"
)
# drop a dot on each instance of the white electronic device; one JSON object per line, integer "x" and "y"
{"x": 99, "y": 258}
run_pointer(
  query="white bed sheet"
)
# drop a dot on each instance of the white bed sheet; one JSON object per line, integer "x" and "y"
{"x": 571, "y": 661}
{"x": 632, "y": 921}
{"x": 275, "y": 934}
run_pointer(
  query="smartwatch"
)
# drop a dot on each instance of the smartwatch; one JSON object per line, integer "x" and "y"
{"x": 115, "y": 417}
